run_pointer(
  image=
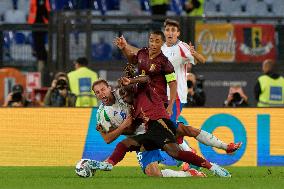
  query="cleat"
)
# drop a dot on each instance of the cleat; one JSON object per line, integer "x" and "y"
{"x": 100, "y": 165}
{"x": 195, "y": 173}
{"x": 232, "y": 147}
{"x": 219, "y": 171}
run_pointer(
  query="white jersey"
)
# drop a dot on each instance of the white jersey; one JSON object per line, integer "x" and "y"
{"x": 179, "y": 55}
{"x": 110, "y": 117}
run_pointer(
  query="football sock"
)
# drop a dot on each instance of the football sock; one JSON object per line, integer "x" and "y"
{"x": 194, "y": 159}
{"x": 211, "y": 140}
{"x": 172, "y": 173}
{"x": 118, "y": 154}
{"x": 184, "y": 146}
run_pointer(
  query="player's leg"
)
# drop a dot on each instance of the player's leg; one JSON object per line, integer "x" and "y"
{"x": 164, "y": 132}
{"x": 173, "y": 150}
{"x": 149, "y": 162}
{"x": 126, "y": 145}
{"x": 206, "y": 138}
{"x": 177, "y": 108}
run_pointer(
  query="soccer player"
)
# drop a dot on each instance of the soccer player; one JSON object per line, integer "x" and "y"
{"x": 152, "y": 62}
{"x": 114, "y": 119}
{"x": 160, "y": 133}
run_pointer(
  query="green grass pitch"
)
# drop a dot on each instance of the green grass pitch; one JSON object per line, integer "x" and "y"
{"x": 132, "y": 177}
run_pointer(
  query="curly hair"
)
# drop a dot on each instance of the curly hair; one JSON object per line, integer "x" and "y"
{"x": 129, "y": 70}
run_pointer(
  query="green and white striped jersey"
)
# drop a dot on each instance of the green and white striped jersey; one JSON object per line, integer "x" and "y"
{"x": 110, "y": 117}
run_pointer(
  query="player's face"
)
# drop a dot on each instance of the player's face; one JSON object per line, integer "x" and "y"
{"x": 155, "y": 43}
{"x": 171, "y": 33}
{"x": 103, "y": 93}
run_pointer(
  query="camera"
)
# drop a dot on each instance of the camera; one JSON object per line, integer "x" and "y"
{"x": 199, "y": 82}
{"x": 61, "y": 84}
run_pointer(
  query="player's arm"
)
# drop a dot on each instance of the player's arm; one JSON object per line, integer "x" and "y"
{"x": 171, "y": 80}
{"x": 128, "y": 51}
{"x": 110, "y": 136}
{"x": 138, "y": 79}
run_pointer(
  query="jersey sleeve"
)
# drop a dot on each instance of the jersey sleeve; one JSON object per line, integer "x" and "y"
{"x": 185, "y": 53}
{"x": 103, "y": 119}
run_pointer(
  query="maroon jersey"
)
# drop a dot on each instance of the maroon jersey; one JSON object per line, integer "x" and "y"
{"x": 156, "y": 69}
{"x": 147, "y": 104}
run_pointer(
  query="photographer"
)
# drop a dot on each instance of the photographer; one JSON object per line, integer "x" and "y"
{"x": 16, "y": 97}
{"x": 59, "y": 95}
{"x": 236, "y": 97}
{"x": 196, "y": 95}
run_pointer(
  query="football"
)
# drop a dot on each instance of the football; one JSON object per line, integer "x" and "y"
{"x": 82, "y": 169}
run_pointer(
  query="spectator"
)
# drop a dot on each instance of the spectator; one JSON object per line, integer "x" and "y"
{"x": 269, "y": 89}
{"x": 81, "y": 81}
{"x": 39, "y": 14}
{"x": 236, "y": 97}
{"x": 159, "y": 7}
{"x": 194, "y": 7}
{"x": 196, "y": 95}
{"x": 59, "y": 94}
{"x": 16, "y": 98}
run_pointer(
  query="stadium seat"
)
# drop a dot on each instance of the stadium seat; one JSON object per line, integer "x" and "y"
{"x": 278, "y": 7}
{"x": 113, "y": 4}
{"x": 20, "y": 38}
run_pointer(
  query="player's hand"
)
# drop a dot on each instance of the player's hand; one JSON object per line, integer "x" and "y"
{"x": 120, "y": 42}
{"x": 125, "y": 81}
{"x": 192, "y": 49}
{"x": 170, "y": 110}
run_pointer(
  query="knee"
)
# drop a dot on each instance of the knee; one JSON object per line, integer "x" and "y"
{"x": 193, "y": 131}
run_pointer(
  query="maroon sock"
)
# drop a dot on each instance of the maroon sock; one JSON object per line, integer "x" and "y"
{"x": 194, "y": 159}
{"x": 118, "y": 154}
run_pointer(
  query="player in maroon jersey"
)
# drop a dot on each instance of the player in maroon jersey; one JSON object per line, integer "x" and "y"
{"x": 152, "y": 62}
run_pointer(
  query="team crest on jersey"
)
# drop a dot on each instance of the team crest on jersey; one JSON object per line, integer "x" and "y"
{"x": 152, "y": 67}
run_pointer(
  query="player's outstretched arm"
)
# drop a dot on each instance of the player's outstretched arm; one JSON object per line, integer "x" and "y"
{"x": 128, "y": 51}
{"x": 110, "y": 136}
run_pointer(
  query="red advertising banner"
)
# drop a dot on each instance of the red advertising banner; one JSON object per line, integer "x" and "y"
{"x": 255, "y": 42}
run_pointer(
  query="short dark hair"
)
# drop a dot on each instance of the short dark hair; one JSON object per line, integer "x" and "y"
{"x": 60, "y": 74}
{"x": 172, "y": 22}
{"x": 82, "y": 61}
{"x": 99, "y": 82}
{"x": 160, "y": 33}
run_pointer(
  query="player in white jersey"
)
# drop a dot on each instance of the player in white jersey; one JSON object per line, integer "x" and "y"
{"x": 179, "y": 54}
{"x": 114, "y": 119}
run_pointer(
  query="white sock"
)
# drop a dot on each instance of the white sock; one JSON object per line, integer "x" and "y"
{"x": 184, "y": 146}
{"x": 210, "y": 140}
{"x": 172, "y": 173}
